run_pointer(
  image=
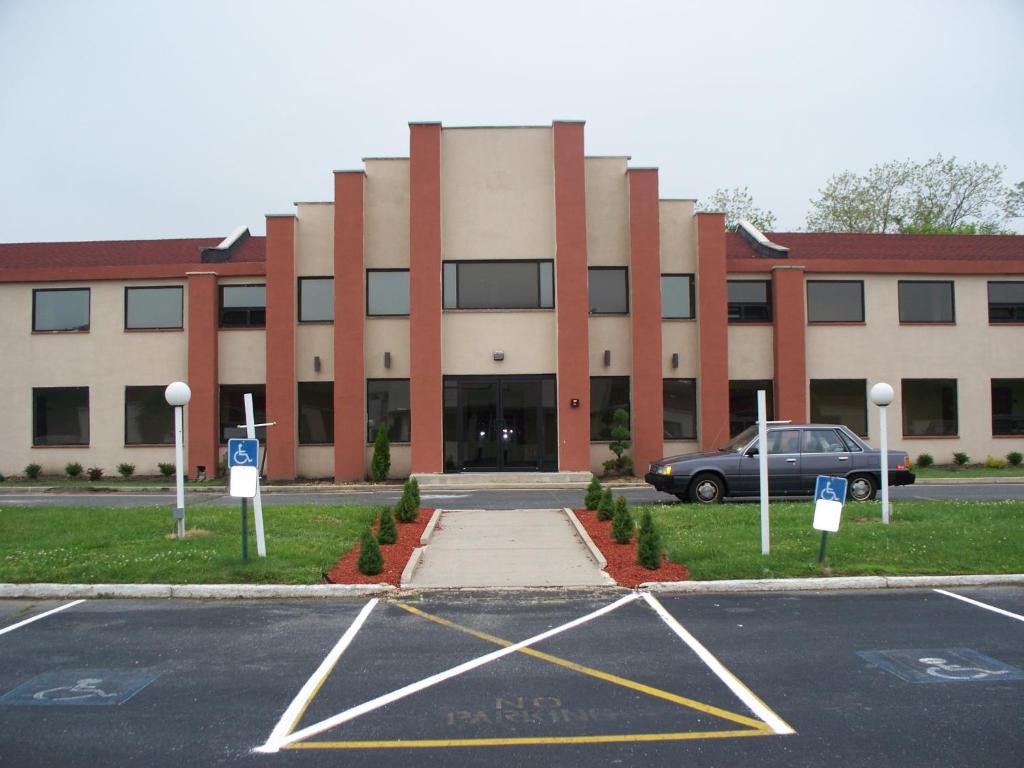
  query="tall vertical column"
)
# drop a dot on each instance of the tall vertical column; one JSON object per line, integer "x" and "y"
{"x": 202, "y": 409}
{"x": 713, "y": 325}
{"x": 571, "y": 298}
{"x": 789, "y": 339}
{"x": 281, "y": 347}
{"x": 425, "y": 389}
{"x": 647, "y": 417}
{"x": 349, "y": 318}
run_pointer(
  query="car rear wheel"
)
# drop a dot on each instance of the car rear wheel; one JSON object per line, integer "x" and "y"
{"x": 862, "y": 488}
{"x": 707, "y": 489}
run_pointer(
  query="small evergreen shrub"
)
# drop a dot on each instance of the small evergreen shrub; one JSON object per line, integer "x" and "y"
{"x": 73, "y": 469}
{"x": 387, "y": 533}
{"x": 620, "y": 465}
{"x": 32, "y": 471}
{"x": 125, "y": 470}
{"x": 166, "y": 469}
{"x": 94, "y": 473}
{"x": 407, "y": 510}
{"x": 925, "y": 460}
{"x": 1014, "y": 458}
{"x": 381, "y": 463}
{"x": 414, "y": 492}
{"x": 648, "y": 543}
{"x": 371, "y": 561}
{"x": 605, "y": 510}
{"x": 593, "y": 497}
{"x": 622, "y": 522}
{"x": 960, "y": 458}
{"x": 993, "y": 462}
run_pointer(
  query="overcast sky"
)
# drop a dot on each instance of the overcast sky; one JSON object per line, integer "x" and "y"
{"x": 124, "y": 119}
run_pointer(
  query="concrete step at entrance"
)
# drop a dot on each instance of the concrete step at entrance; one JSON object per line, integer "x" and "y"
{"x": 438, "y": 481}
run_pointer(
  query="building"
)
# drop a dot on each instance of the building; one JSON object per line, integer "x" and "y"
{"x": 491, "y": 299}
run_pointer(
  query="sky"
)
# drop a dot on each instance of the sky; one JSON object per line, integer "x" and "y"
{"x": 138, "y": 119}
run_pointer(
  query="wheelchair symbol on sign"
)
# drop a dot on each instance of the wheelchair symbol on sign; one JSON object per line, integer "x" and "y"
{"x": 827, "y": 493}
{"x": 241, "y": 457}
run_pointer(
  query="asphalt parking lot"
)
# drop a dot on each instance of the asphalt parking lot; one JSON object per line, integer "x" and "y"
{"x": 595, "y": 678}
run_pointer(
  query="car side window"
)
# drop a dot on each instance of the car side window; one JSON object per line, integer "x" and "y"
{"x": 823, "y": 441}
{"x": 784, "y": 441}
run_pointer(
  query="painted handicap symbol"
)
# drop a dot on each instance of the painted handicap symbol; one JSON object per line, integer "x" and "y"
{"x": 83, "y": 689}
{"x": 241, "y": 457}
{"x": 828, "y": 494}
{"x": 940, "y": 667}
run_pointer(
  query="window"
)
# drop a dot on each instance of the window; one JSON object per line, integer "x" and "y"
{"x": 387, "y": 403}
{"x": 835, "y": 301}
{"x": 148, "y": 419}
{"x": 750, "y": 301}
{"x": 232, "y": 410}
{"x": 827, "y": 441}
{"x": 60, "y": 416}
{"x": 499, "y": 285}
{"x": 782, "y": 441}
{"x": 677, "y": 297}
{"x": 156, "y": 307}
{"x": 243, "y": 306}
{"x": 743, "y": 403}
{"x": 316, "y": 299}
{"x": 387, "y": 292}
{"x": 608, "y": 289}
{"x": 1006, "y": 302}
{"x": 316, "y": 412}
{"x": 929, "y": 407}
{"x": 607, "y": 395}
{"x": 60, "y": 309}
{"x": 840, "y": 401}
{"x": 679, "y": 397}
{"x": 1008, "y": 406}
{"x": 926, "y": 301}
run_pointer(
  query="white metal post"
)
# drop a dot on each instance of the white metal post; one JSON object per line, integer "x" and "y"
{"x": 884, "y": 440}
{"x": 179, "y": 460}
{"x": 762, "y": 461}
{"x": 257, "y": 502}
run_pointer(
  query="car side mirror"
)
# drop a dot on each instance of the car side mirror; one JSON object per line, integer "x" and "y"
{"x": 752, "y": 451}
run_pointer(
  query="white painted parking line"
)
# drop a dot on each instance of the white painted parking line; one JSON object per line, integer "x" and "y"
{"x": 986, "y": 606}
{"x": 13, "y": 627}
{"x": 744, "y": 694}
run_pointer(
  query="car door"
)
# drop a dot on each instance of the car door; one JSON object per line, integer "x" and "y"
{"x": 783, "y": 465}
{"x": 823, "y": 452}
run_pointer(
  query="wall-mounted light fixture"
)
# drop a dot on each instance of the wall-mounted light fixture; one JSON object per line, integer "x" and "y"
{"x": 574, "y": 402}
{"x": 387, "y": 359}
{"x": 316, "y": 363}
{"x": 607, "y": 358}
{"x": 498, "y": 355}
{"x": 675, "y": 359}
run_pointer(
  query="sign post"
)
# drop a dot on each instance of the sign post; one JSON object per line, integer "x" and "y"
{"x": 762, "y": 463}
{"x": 829, "y": 495}
{"x": 243, "y": 459}
{"x": 178, "y": 394}
{"x": 257, "y": 502}
{"x": 881, "y": 395}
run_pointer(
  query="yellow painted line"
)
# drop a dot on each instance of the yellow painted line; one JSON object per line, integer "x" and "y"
{"x": 527, "y": 740}
{"x": 596, "y": 673}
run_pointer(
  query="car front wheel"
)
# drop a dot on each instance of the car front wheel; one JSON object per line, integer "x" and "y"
{"x": 862, "y": 488}
{"x": 707, "y": 489}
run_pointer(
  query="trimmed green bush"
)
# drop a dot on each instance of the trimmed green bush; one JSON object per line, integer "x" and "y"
{"x": 32, "y": 471}
{"x": 1014, "y": 457}
{"x": 125, "y": 470}
{"x": 166, "y": 469}
{"x": 620, "y": 465}
{"x": 622, "y": 522}
{"x": 648, "y": 543}
{"x": 94, "y": 473}
{"x": 992, "y": 462}
{"x": 605, "y": 510}
{"x": 387, "y": 533}
{"x": 371, "y": 561}
{"x": 593, "y": 497}
{"x": 73, "y": 469}
{"x": 925, "y": 460}
{"x": 960, "y": 458}
{"x": 414, "y": 491}
{"x": 407, "y": 510}
{"x": 381, "y": 464}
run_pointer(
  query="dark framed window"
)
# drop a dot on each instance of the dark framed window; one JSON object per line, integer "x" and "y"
{"x": 1006, "y": 302}
{"x": 679, "y": 399}
{"x": 60, "y": 416}
{"x": 316, "y": 299}
{"x": 387, "y": 404}
{"x": 243, "y": 306}
{"x": 520, "y": 284}
{"x": 929, "y": 407}
{"x": 387, "y": 292}
{"x": 1008, "y": 406}
{"x": 835, "y": 301}
{"x": 743, "y": 403}
{"x": 60, "y": 309}
{"x": 607, "y": 395}
{"x": 840, "y": 401}
{"x": 232, "y": 410}
{"x": 608, "y": 290}
{"x": 148, "y": 419}
{"x": 316, "y": 412}
{"x": 677, "y": 299}
{"x": 926, "y": 301}
{"x": 153, "y": 307}
{"x": 750, "y": 301}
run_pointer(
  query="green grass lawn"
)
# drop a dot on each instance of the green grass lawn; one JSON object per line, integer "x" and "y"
{"x": 975, "y": 470}
{"x": 131, "y": 546}
{"x": 114, "y": 481}
{"x": 923, "y": 537}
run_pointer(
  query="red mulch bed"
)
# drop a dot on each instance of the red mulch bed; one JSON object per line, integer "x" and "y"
{"x": 395, "y": 556}
{"x": 622, "y": 565}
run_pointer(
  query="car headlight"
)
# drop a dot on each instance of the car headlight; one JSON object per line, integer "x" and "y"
{"x": 665, "y": 469}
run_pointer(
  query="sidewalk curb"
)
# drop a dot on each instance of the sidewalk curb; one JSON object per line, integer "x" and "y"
{"x": 601, "y": 560}
{"x": 411, "y": 566}
{"x": 431, "y": 525}
{"x": 193, "y": 591}
{"x": 836, "y": 583}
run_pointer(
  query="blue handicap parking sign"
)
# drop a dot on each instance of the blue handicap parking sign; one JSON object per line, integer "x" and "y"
{"x": 243, "y": 452}
{"x": 830, "y": 488}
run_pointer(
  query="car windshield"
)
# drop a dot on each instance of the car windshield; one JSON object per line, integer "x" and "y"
{"x": 739, "y": 442}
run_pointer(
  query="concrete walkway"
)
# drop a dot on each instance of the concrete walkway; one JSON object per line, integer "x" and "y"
{"x": 506, "y": 548}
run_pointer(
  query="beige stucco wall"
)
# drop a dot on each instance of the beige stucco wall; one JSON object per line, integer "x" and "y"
{"x": 242, "y": 356}
{"x": 401, "y": 460}
{"x": 314, "y": 340}
{"x": 615, "y": 334}
{"x": 751, "y": 355}
{"x": 680, "y": 336}
{"x": 470, "y": 338}
{"x": 386, "y": 334}
{"x": 386, "y": 214}
{"x": 314, "y": 240}
{"x": 607, "y": 192}
{"x": 314, "y": 461}
{"x": 678, "y": 235}
{"x": 497, "y": 193}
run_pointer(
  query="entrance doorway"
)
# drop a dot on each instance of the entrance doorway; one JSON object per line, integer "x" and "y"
{"x": 498, "y": 424}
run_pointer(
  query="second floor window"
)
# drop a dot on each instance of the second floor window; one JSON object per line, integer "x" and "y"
{"x": 835, "y": 301}
{"x": 926, "y": 301}
{"x": 243, "y": 306}
{"x": 677, "y": 297}
{"x": 1006, "y": 302}
{"x": 499, "y": 285}
{"x": 60, "y": 309}
{"x": 608, "y": 290}
{"x": 316, "y": 299}
{"x": 148, "y": 308}
{"x": 750, "y": 301}
{"x": 387, "y": 292}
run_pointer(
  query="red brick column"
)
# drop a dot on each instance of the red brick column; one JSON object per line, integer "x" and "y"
{"x": 647, "y": 417}
{"x": 713, "y": 326}
{"x": 281, "y": 347}
{"x": 203, "y": 409}
{"x": 349, "y": 318}
{"x": 789, "y": 337}
{"x": 570, "y": 299}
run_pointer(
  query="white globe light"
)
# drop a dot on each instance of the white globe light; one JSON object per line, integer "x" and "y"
{"x": 177, "y": 393}
{"x": 882, "y": 394}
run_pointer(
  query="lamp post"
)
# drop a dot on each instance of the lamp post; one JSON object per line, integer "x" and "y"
{"x": 178, "y": 394}
{"x": 881, "y": 395}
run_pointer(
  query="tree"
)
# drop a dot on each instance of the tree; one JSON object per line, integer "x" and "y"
{"x": 387, "y": 533}
{"x": 940, "y": 195}
{"x": 605, "y": 508}
{"x": 738, "y": 204}
{"x": 622, "y": 522}
{"x": 593, "y": 496}
{"x": 648, "y": 543}
{"x": 620, "y": 465}
{"x": 381, "y": 463}
{"x": 371, "y": 561}
{"x": 408, "y": 508}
